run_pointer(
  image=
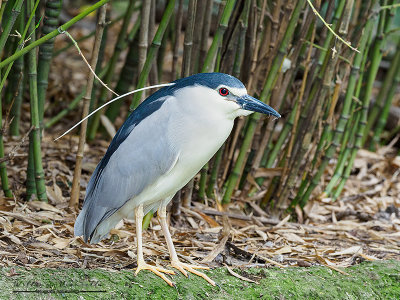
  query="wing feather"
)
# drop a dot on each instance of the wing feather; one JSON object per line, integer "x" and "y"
{"x": 132, "y": 162}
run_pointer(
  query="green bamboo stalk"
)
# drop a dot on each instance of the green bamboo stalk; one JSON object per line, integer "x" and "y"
{"x": 30, "y": 173}
{"x": 121, "y": 41}
{"x": 383, "y": 92}
{"x": 265, "y": 95}
{"x": 20, "y": 45}
{"x": 376, "y": 138}
{"x": 214, "y": 173}
{"x": 50, "y": 23}
{"x": 8, "y": 25}
{"x": 243, "y": 25}
{"x": 346, "y": 109}
{"x": 266, "y": 146}
{"x": 360, "y": 132}
{"x": 71, "y": 106}
{"x": 344, "y": 155}
{"x": 144, "y": 33}
{"x": 34, "y": 138}
{"x": 2, "y": 9}
{"x": 126, "y": 79}
{"x": 52, "y": 34}
{"x": 84, "y": 38}
{"x": 205, "y": 32}
{"x": 3, "y": 170}
{"x": 75, "y": 189}
{"x": 348, "y": 140}
{"x": 188, "y": 40}
{"x": 209, "y": 61}
{"x": 14, "y": 87}
{"x": 209, "y": 66}
{"x": 177, "y": 33}
{"x": 104, "y": 40}
{"x": 151, "y": 55}
{"x": 18, "y": 70}
{"x": 327, "y": 41}
{"x": 65, "y": 111}
{"x": 153, "y": 75}
{"x": 376, "y": 57}
{"x": 185, "y": 71}
{"x": 200, "y": 11}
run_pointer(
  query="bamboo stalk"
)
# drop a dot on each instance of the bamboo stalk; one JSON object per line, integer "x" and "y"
{"x": 347, "y": 111}
{"x": 153, "y": 74}
{"x": 375, "y": 61}
{"x": 52, "y": 34}
{"x": 151, "y": 55}
{"x": 360, "y": 129}
{"x": 8, "y": 25}
{"x": 288, "y": 180}
{"x": 200, "y": 10}
{"x": 188, "y": 40}
{"x": 75, "y": 190}
{"x": 144, "y": 33}
{"x": 3, "y": 5}
{"x": 3, "y": 170}
{"x": 50, "y": 23}
{"x": 376, "y": 138}
{"x": 209, "y": 61}
{"x": 185, "y": 71}
{"x": 178, "y": 28}
{"x": 119, "y": 46}
{"x": 206, "y": 31}
{"x": 126, "y": 79}
{"x": 16, "y": 83}
{"x": 34, "y": 137}
{"x": 99, "y": 66}
{"x": 209, "y": 66}
{"x": 85, "y": 37}
{"x": 253, "y": 120}
{"x": 325, "y": 137}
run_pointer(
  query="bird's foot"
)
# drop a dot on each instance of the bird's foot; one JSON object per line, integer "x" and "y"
{"x": 156, "y": 270}
{"x": 182, "y": 267}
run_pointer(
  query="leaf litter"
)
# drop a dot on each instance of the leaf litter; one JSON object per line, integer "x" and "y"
{"x": 363, "y": 224}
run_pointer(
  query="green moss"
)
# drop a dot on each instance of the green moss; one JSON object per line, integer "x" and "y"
{"x": 369, "y": 280}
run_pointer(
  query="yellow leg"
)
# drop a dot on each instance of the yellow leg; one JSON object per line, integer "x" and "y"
{"x": 142, "y": 265}
{"x": 175, "y": 262}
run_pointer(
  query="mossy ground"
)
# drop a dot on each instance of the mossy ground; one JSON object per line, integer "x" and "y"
{"x": 369, "y": 280}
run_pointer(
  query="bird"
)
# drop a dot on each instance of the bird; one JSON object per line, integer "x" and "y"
{"x": 160, "y": 147}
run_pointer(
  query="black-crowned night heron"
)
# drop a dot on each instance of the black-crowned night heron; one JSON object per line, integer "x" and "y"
{"x": 159, "y": 148}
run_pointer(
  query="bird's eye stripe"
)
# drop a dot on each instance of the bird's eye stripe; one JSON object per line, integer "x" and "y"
{"x": 223, "y": 91}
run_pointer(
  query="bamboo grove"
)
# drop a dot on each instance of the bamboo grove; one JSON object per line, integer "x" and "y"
{"x": 319, "y": 63}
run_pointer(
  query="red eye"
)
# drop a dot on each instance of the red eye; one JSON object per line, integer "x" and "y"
{"x": 224, "y": 92}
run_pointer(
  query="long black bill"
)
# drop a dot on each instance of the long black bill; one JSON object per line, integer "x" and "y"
{"x": 252, "y": 104}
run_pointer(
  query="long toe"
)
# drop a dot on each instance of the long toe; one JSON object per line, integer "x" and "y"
{"x": 156, "y": 270}
{"x": 182, "y": 267}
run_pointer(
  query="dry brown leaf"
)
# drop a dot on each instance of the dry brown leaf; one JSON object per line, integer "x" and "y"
{"x": 61, "y": 243}
{"x": 349, "y": 251}
{"x": 44, "y": 206}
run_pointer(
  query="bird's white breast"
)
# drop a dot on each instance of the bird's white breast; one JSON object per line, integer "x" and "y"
{"x": 198, "y": 126}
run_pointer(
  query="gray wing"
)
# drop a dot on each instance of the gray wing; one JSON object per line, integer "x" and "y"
{"x": 139, "y": 160}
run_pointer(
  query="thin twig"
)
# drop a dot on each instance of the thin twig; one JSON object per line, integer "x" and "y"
{"x": 86, "y": 62}
{"x": 112, "y": 100}
{"x": 74, "y": 200}
{"x": 11, "y": 154}
{"x": 330, "y": 29}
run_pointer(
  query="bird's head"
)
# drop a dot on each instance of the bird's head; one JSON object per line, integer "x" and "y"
{"x": 221, "y": 92}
